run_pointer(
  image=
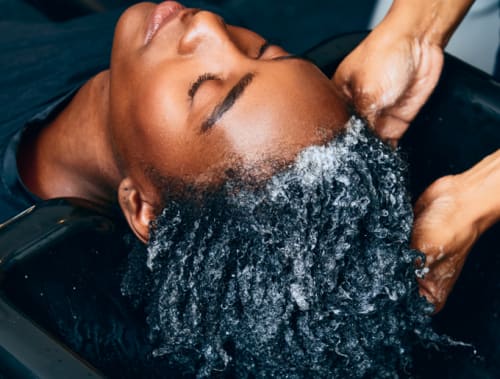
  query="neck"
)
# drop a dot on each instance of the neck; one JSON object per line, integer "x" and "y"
{"x": 72, "y": 156}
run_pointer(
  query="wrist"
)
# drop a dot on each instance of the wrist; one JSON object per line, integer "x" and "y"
{"x": 480, "y": 189}
{"x": 428, "y": 21}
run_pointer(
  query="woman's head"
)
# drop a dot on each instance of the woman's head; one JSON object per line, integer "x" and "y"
{"x": 306, "y": 275}
{"x": 190, "y": 96}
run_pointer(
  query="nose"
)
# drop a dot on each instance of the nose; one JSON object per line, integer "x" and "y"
{"x": 205, "y": 30}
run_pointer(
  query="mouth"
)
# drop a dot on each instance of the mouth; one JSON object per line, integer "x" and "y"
{"x": 161, "y": 15}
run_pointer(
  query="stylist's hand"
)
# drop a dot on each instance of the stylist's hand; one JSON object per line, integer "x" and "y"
{"x": 390, "y": 75}
{"x": 388, "y": 78}
{"x": 449, "y": 217}
{"x": 445, "y": 233}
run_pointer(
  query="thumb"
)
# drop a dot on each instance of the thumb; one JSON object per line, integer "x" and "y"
{"x": 357, "y": 89}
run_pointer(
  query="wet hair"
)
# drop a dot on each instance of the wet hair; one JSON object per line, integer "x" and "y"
{"x": 307, "y": 275}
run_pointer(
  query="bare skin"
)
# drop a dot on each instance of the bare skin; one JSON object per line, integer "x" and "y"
{"x": 143, "y": 113}
{"x": 140, "y": 113}
{"x": 388, "y": 78}
{"x": 450, "y": 216}
{"x": 66, "y": 159}
{"x": 390, "y": 75}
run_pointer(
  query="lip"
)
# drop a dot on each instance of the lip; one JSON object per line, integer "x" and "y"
{"x": 161, "y": 15}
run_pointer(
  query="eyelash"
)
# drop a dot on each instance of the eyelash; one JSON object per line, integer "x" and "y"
{"x": 263, "y": 49}
{"x": 208, "y": 76}
{"x": 196, "y": 85}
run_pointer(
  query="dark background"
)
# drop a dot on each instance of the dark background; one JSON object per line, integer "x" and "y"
{"x": 296, "y": 25}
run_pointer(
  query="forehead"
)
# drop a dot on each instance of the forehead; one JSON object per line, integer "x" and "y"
{"x": 287, "y": 106}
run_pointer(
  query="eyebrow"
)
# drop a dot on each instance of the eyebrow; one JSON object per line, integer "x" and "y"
{"x": 226, "y": 104}
{"x": 236, "y": 92}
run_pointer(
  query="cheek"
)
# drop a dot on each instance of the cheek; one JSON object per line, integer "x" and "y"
{"x": 129, "y": 32}
{"x": 247, "y": 41}
{"x": 159, "y": 101}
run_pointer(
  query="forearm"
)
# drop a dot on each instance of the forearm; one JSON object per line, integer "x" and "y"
{"x": 430, "y": 21}
{"x": 481, "y": 186}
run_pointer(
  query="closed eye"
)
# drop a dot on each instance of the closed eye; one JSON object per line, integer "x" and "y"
{"x": 196, "y": 85}
{"x": 282, "y": 56}
{"x": 279, "y": 55}
{"x": 263, "y": 49}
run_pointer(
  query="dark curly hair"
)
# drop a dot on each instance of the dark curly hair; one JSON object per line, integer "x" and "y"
{"x": 309, "y": 274}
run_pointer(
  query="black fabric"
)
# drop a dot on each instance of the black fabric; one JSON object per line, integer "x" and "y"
{"x": 41, "y": 65}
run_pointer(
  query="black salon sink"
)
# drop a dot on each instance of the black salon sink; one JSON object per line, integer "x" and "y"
{"x": 60, "y": 262}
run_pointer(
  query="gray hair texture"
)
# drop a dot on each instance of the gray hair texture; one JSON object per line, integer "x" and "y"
{"x": 308, "y": 275}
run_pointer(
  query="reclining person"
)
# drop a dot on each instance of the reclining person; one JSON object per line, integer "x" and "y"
{"x": 188, "y": 99}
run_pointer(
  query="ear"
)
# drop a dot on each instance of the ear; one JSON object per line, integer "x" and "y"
{"x": 138, "y": 212}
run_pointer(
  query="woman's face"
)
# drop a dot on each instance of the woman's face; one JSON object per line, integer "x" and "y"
{"x": 189, "y": 93}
